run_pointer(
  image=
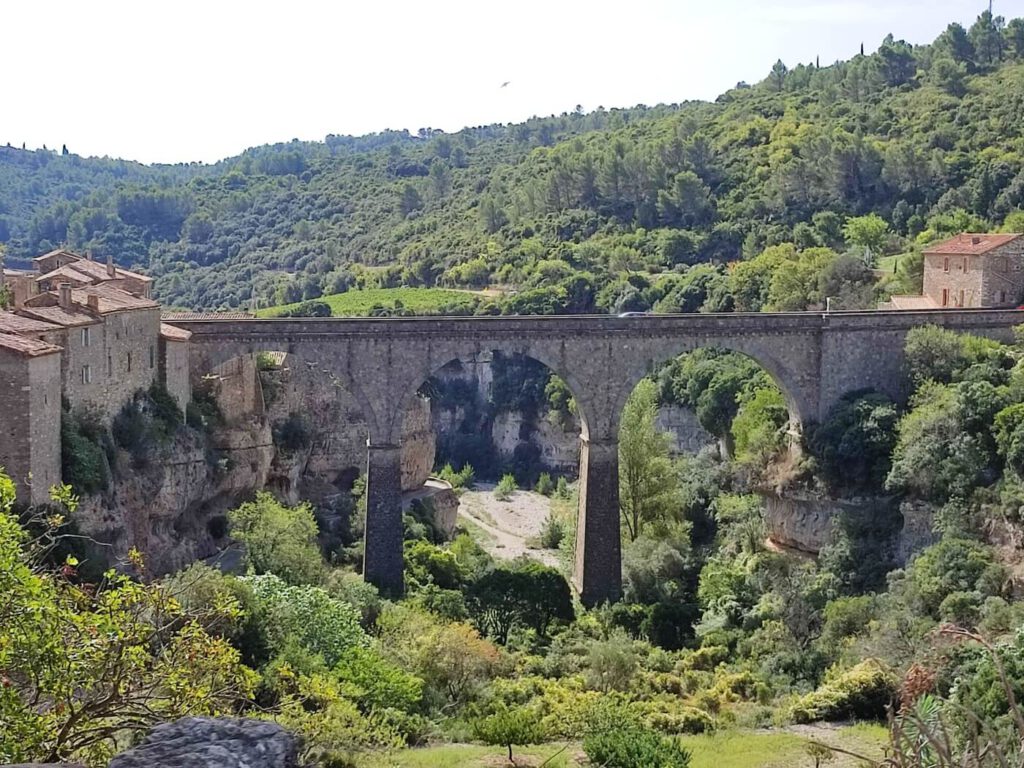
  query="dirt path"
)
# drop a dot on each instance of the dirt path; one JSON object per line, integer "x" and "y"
{"x": 509, "y": 525}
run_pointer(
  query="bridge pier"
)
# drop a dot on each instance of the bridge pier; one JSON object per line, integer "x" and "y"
{"x": 597, "y": 574}
{"x": 382, "y": 553}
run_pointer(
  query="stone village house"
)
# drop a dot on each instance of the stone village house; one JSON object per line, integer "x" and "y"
{"x": 83, "y": 334}
{"x": 970, "y": 271}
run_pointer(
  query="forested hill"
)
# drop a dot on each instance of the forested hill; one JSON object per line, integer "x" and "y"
{"x": 930, "y": 138}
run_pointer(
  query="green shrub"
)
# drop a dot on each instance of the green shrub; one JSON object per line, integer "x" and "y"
{"x": 380, "y": 683}
{"x": 533, "y": 596}
{"x": 461, "y": 479}
{"x": 953, "y": 565}
{"x": 312, "y": 308}
{"x": 509, "y": 727}
{"x": 552, "y": 533}
{"x": 854, "y": 443}
{"x": 545, "y": 486}
{"x": 292, "y": 434}
{"x": 203, "y": 413}
{"x": 278, "y": 539}
{"x": 308, "y": 616}
{"x": 427, "y": 563}
{"x": 85, "y": 463}
{"x": 505, "y": 488}
{"x": 634, "y": 747}
{"x": 686, "y": 720}
{"x": 562, "y": 489}
{"x": 862, "y": 692}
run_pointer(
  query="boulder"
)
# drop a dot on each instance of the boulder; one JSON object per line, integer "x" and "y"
{"x": 208, "y": 742}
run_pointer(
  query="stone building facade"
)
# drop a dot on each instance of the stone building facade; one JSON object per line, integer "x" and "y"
{"x": 970, "y": 271}
{"x": 83, "y": 335}
{"x": 30, "y": 414}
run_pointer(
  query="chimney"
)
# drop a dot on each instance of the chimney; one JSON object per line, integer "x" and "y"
{"x": 64, "y": 295}
{"x": 88, "y": 255}
{"x": 975, "y": 240}
{"x": 111, "y": 271}
{"x": 93, "y": 302}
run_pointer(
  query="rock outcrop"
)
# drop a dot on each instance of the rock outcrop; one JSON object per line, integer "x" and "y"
{"x": 807, "y": 522}
{"x": 172, "y": 506}
{"x": 205, "y": 742}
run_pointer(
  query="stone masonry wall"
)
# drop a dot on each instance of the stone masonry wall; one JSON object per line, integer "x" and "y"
{"x": 121, "y": 354}
{"x": 1003, "y": 279}
{"x": 44, "y": 405}
{"x": 174, "y": 363}
{"x": 15, "y": 444}
{"x": 30, "y": 423}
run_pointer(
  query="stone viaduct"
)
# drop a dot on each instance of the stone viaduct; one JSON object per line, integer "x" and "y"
{"x": 815, "y": 358}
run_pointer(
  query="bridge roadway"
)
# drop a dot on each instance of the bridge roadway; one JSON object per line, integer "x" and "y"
{"x": 814, "y": 357}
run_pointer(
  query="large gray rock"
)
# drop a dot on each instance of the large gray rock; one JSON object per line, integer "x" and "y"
{"x": 207, "y": 742}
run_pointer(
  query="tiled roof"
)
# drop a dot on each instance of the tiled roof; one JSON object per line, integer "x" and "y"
{"x": 913, "y": 302}
{"x": 110, "y": 299}
{"x": 970, "y": 244}
{"x": 172, "y": 333}
{"x": 23, "y": 345}
{"x": 182, "y": 317}
{"x": 85, "y": 269}
{"x": 69, "y": 318}
{"x": 57, "y": 252}
{"x": 12, "y": 323}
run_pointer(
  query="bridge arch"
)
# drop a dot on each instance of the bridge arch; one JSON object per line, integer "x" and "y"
{"x": 795, "y": 378}
{"x": 537, "y": 354}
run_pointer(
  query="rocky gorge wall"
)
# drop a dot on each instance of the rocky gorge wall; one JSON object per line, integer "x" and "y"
{"x": 172, "y": 506}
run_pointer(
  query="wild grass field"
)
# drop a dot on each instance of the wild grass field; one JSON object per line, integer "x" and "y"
{"x": 726, "y": 749}
{"x": 358, "y": 303}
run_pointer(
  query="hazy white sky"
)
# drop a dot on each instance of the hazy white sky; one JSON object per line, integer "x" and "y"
{"x": 189, "y": 80}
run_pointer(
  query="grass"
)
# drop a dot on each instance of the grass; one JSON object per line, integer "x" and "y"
{"x": 887, "y": 264}
{"x": 359, "y": 303}
{"x": 725, "y": 749}
{"x": 472, "y": 756}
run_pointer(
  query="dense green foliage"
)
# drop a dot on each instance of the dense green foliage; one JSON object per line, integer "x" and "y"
{"x": 864, "y": 156}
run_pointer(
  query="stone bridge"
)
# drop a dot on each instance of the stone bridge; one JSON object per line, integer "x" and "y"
{"x": 815, "y": 358}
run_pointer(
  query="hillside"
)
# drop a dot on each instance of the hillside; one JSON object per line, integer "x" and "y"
{"x": 929, "y": 138}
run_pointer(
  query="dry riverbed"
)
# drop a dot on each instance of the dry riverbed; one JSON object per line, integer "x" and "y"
{"x": 510, "y": 528}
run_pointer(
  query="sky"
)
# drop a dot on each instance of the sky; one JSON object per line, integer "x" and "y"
{"x": 182, "y": 81}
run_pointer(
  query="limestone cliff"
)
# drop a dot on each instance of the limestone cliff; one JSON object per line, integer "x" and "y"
{"x": 282, "y": 430}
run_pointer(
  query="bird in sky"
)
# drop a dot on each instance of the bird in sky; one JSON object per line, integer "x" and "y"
{"x": 504, "y": 84}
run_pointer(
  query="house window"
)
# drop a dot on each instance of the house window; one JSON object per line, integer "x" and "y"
{"x": 961, "y": 297}
{"x": 129, "y": 362}
{"x": 965, "y": 264}
{"x": 87, "y": 374}
{"x": 945, "y": 264}
{"x": 110, "y": 365}
{"x": 152, "y": 357}
{"x": 86, "y": 336}
{"x": 945, "y": 297}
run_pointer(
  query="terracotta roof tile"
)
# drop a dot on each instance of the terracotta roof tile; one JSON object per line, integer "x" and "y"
{"x": 971, "y": 244}
{"x": 12, "y": 323}
{"x": 913, "y": 302}
{"x": 68, "y": 318}
{"x": 110, "y": 299}
{"x": 23, "y": 345}
{"x": 172, "y": 333}
{"x": 88, "y": 269}
{"x": 182, "y": 317}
